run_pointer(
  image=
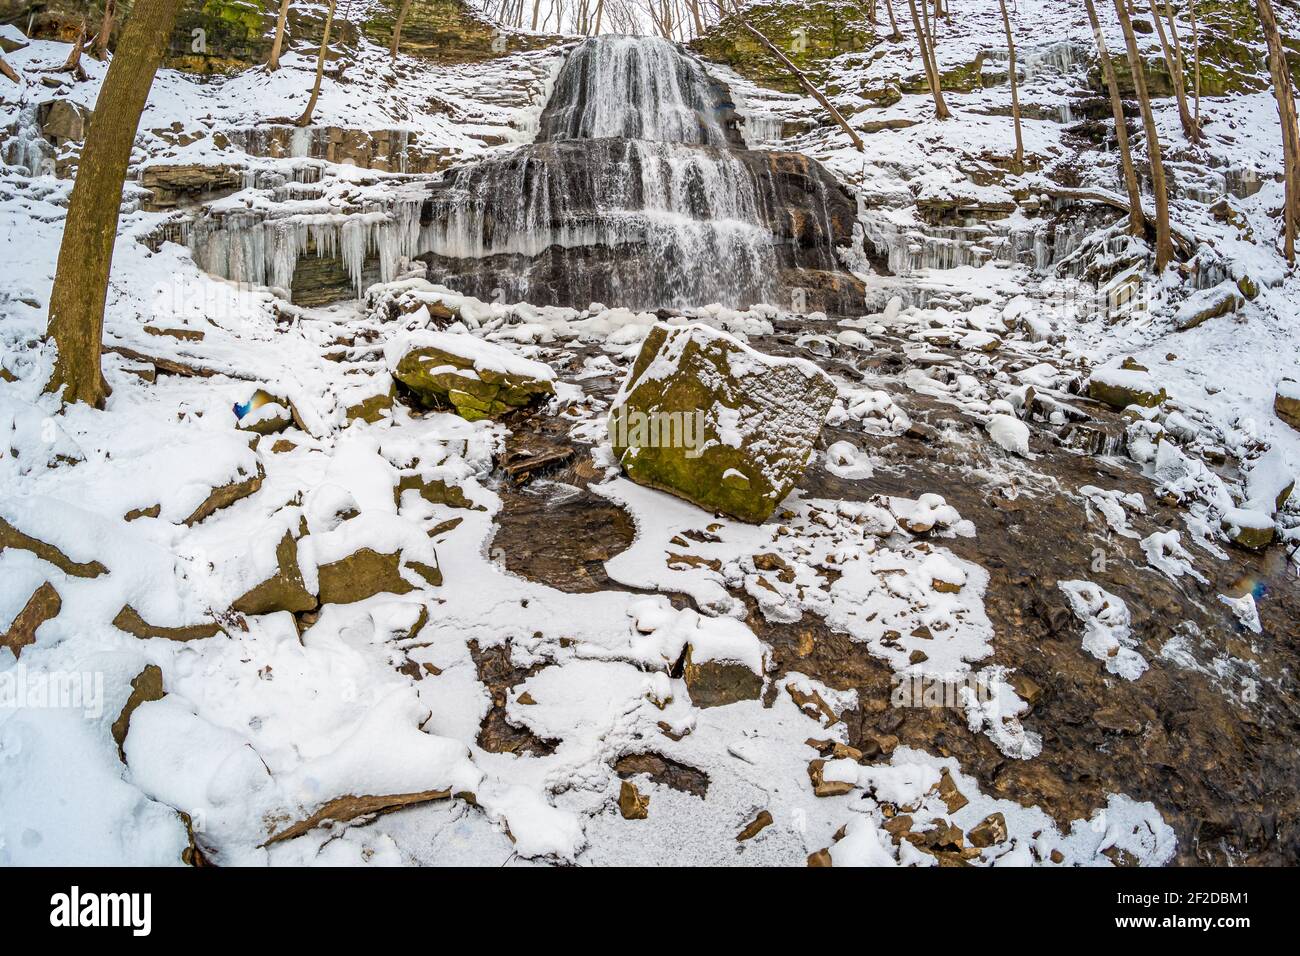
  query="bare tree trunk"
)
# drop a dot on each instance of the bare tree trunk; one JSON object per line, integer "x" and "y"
{"x": 401, "y": 21}
{"x": 1164, "y": 245}
{"x": 86, "y": 254}
{"x": 806, "y": 83}
{"x": 8, "y": 71}
{"x": 931, "y": 66}
{"x": 1286, "y": 110}
{"x": 894, "y": 33}
{"x": 1196, "y": 57}
{"x": 1175, "y": 73}
{"x": 305, "y": 118}
{"x": 537, "y": 9}
{"x": 1015, "y": 94}
{"x": 600, "y": 13}
{"x": 273, "y": 62}
{"x": 1137, "y": 219}
{"x": 100, "y": 49}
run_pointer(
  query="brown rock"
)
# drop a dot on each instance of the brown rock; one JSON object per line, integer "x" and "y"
{"x": 11, "y": 537}
{"x": 283, "y": 591}
{"x": 42, "y": 606}
{"x": 147, "y": 685}
{"x": 755, "y": 826}
{"x": 952, "y": 798}
{"x": 631, "y": 803}
{"x": 992, "y": 829}
{"x": 343, "y": 809}
{"x": 129, "y": 620}
{"x": 225, "y": 495}
{"x": 820, "y": 858}
{"x": 826, "y": 788}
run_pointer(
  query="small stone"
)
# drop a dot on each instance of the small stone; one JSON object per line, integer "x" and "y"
{"x": 952, "y": 798}
{"x": 820, "y": 858}
{"x": 631, "y": 804}
{"x": 43, "y": 605}
{"x": 992, "y": 829}
{"x": 755, "y": 826}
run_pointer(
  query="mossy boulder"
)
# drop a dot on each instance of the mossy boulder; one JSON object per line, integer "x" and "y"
{"x": 704, "y": 417}
{"x": 285, "y": 590}
{"x": 475, "y": 378}
{"x": 1130, "y": 384}
{"x": 810, "y": 34}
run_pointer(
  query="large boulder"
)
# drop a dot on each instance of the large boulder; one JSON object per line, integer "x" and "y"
{"x": 705, "y": 417}
{"x": 1286, "y": 402}
{"x": 476, "y": 378}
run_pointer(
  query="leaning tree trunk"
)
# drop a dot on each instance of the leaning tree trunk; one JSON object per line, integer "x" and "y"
{"x": 1137, "y": 220}
{"x": 401, "y": 21}
{"x": 931, "y": 65}
{"x": 806, "y": 83}
{"x": 277, "y": 45}
{"x": 305, "y": 118}
{"x": 86, "y": 254}
{"x": 895, "y": 34}
{"x": 1286, "y": 111}
{"x": 1015, "y": 94}
{"x": 8, "y": 71}
{"x": 1164, "y": 243}
{"x": 100, "y": 49}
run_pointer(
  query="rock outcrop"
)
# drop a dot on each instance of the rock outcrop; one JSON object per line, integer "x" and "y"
{"x": 705, "y": 417}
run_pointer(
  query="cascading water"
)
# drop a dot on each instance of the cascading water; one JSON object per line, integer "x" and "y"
{"x": 639, "y": 192}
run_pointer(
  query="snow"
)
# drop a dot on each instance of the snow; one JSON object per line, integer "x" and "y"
{"x": 276, "y": 716}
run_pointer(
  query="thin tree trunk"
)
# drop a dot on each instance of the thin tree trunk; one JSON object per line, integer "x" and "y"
{"x": 1164, "y": 245}
{"x": 537, "y": 9}
{"x": 1175, "y": 73}
{"x": 76, "y": 321}
{"x": 100, "y": 49}
{"x": 1286, "y": 111}
{"x": 1137, "y": 220}
{"x": 931, "y": 66}
{"x": 806, "y": 83}
{"x": 1015, "y": 94}
{"x": 401, "y": 21}
{"x": 305, "y": 118}
{"x": 600, "y": 13}
{"x": 1196, "y": 58}
{"x": 8, "y": 71}
{"x": 277, "y": 45}
{"x": 894, "y": 33}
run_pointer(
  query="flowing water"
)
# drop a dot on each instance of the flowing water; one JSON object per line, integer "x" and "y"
{"x": 639, "y": 192}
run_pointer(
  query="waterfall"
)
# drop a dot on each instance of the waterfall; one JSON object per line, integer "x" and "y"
{"x": 26, "y": 147}
{"x": 638, "y": 192}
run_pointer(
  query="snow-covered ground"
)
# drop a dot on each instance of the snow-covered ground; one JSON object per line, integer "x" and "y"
{"x": 275, "y": 724}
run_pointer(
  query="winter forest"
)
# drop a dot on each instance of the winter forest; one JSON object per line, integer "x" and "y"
{"x": 808, "y": 433}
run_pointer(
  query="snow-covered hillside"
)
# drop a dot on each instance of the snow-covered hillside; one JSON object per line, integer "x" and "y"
{"x": 1033, "y": 602}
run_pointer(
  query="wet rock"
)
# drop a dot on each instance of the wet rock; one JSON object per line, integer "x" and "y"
{"x": 147, "y": 685}
{"x": 664, "y": 771}
{"x": 952, "y": 798}
{"x": 632, "y": 804}
{"x": 476, "y": 378}
{"x": 1117, "y": 719}
{"x": 989, "y": 831}
{"x": 706, "y": 418}
{"x": 755, "y": 827}
{"x": 42, "y": 606}
{"x": 716, "y": 683}
{"x": 283, "y": 591}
